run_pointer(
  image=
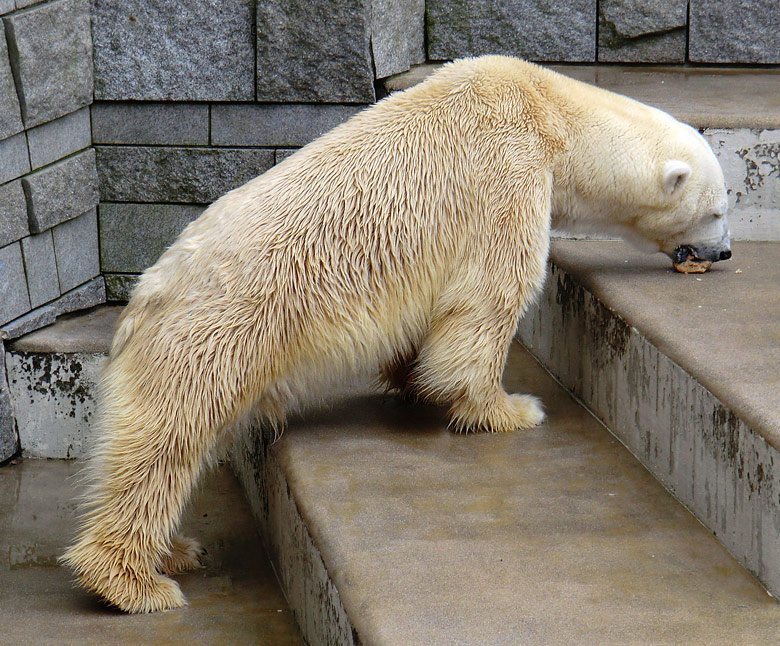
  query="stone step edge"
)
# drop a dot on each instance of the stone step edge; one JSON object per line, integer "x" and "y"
{"x": 716, "y": 465}
{"x": 311, "y": 594}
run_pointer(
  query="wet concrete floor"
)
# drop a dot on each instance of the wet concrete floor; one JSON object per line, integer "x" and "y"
{"x": 234, "y": 600}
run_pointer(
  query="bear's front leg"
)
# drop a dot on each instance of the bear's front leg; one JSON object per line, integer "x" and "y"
{"x": 461, "y": 363}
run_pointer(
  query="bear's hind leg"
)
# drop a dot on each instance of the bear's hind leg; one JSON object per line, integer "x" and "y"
{"x": 154, "y": 447}
{"x": 461, "y": 363}
{"x": 185, "y": 554}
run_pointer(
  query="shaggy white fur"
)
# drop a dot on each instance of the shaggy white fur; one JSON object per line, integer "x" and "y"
{"x": 407, "y": 241}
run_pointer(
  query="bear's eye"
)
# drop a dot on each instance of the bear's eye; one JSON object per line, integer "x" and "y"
{"x": 717, "y": 215}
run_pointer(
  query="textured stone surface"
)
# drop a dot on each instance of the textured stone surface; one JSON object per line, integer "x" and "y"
{"x": 13, "y": 213}
{"x": 14, "y": 159}
{"x": 87, "y": 295}
{"x": 119, "y": 287}
{"x": 199, "y": 50}
{"x": 9, "y": 443}
{"x": 10, "y": 115}
{"x": 274, "y": 125}
{"x": 150, "y": 123}
{"x": 132, "y": 236}
{"x": 283, "y": 153}
{"x": 41, "y": 267}
{"x": 750, "y": 159}
{"x": 314, "y": 51}
{"x": 723, "y": 31}
{"x": 61, "y": 191}
{"x": 51, "y": 50}
{"x": 533, "y": 30}
{"x": 6, "y": 6}
{"x": 397, "y": 35}
{"x": 15, "y": 301}
{"x": 170, "y": 174}
{"x": 59, "y": 138}
{"x": 683, "y": 371}
{"x": 76, "y": 249}
{"x": 382, "y": 535}
{"x": 638, "y": 31}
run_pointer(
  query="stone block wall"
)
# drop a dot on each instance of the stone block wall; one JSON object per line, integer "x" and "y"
{"x": 121, "y": 120}
{"x": 193, "y": 99}
{"x": 49, "y": 262}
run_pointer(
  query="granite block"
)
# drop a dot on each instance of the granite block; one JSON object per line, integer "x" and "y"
{"x": 119, "y": 287}
{"x": 14, "y": 158}
{"x": 59, "y": 138}
{"x": 538, "y": 31}
{"x": 171, "y": 174}
{"x": 41, "y": 267}
{"x": 87, "y": 295}
{"x": 133, "y": 236}
{"x": 9, "y": 442}
{"x": 76, "y": 249}
{"x": 150, "y": 123}
{"x": 6, "y": 6}
{"x": 50, "y": 47}
{"x": 639, "y": 31}
{"x": 13, "y": 213}
{"x": 199, "y": 50}
{"x": 397, "y": 35}
{"x": 274, "y": 125}
{"x": 314, "y": 51}
{"x": 283, "y": 153}
{"x": 724, "y": 31}
{"x": 10, "y": 113}
{"x": 61, "y": 191}
{"x": 13, "y": 286}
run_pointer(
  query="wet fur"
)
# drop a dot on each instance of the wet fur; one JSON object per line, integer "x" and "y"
{"x": 406, "y": 242}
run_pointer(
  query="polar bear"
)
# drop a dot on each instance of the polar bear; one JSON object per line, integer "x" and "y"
{"x": 406, "y": 241}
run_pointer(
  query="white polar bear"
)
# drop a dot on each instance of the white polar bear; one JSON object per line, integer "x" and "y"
{"x": 407, "y": 241}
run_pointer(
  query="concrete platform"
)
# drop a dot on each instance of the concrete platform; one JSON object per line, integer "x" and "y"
{"x": 53, "y": 375}
{"x": 684, "y": 370}
{"x": 551, "y": 536}
{"x": 235, "y": 599}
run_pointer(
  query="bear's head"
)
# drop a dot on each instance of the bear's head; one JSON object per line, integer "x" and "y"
{"x": 691, "y": 201}
{"x": 648, "y": 178}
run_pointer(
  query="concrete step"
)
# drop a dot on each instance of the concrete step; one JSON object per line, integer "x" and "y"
{"x": 388, "y": 529}
{"x": 736, "y": 109}
{"x": 684, "y": 370}
{"x": 234, "y": 600}
{"x": 52, "y": 379}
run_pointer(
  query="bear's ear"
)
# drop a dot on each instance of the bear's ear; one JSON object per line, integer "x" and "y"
{"x": 676, "y": 173}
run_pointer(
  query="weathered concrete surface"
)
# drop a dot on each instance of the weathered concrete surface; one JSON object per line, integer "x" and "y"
{"x": 235, "y": 599}
{"x": 550, "y": 536}
{"x": 53, "y": 375}
{"x": 750, "y": 159}
{"x": 684, "y": 370}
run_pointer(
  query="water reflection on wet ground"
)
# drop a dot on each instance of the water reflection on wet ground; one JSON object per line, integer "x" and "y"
{"x": 235, "y": 599}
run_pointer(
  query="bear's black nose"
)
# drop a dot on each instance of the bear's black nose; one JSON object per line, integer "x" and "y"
{"x": 725, "y": 255}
